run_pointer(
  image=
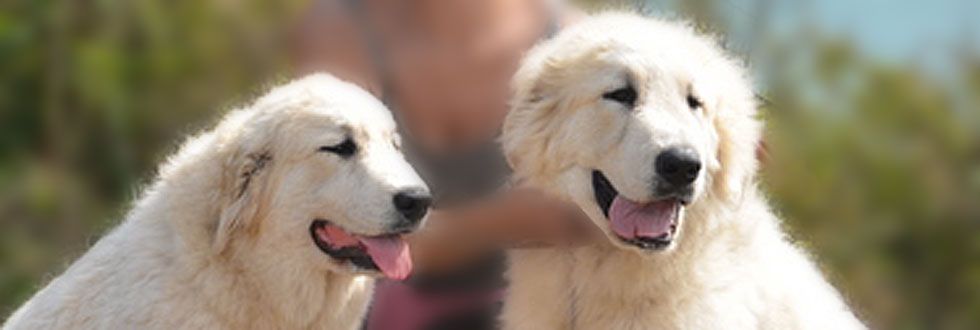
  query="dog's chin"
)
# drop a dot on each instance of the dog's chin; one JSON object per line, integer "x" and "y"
{"x": 668, "y": 211}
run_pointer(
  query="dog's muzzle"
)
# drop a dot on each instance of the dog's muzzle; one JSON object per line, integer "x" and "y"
{"x": 646, "y": 225}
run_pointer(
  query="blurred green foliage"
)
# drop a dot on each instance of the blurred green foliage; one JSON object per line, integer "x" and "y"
{"x": 874, "y": 166}
{"x": 93, "y": 94}
{"x": 885, "y": 191}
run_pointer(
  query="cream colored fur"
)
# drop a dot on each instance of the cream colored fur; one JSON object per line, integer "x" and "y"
{"x": 221, "y": 239}
{"x": 731, "y": 266}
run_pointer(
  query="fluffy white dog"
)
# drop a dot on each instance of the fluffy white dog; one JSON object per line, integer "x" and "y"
{"x": 651, "y": 130}
{"x": 275, "y": 219}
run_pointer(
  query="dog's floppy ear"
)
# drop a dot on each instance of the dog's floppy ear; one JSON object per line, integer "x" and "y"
{"x": 523, "y": 138}
{"x": 739, "y": 133}
{"x": 245, "y": 189}
{"x": 526, "y": 138}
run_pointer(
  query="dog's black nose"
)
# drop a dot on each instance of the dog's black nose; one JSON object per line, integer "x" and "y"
{"x": 678, "y": 166}
{"x": 412, "y": 204}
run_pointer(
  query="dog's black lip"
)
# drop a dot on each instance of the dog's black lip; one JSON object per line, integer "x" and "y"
{"x": 604, "y": 191}
{"x": 357, "y": 256}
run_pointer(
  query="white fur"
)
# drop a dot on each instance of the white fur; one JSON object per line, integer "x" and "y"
{"x": 221, "y": 239}
{"x": 730, "y": 266}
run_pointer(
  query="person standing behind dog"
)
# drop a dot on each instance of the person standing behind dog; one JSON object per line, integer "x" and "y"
{"x": 444, "y": 67}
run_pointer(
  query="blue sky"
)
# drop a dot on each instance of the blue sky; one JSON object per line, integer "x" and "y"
{"x": 899, "y": 29}
{"x": 924, "y": 33}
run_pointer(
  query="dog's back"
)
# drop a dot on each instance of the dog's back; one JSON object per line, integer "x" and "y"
{"x": 119, "y": 282}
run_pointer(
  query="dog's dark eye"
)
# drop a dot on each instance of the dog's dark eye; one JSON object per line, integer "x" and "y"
{"x": 625, "y": 96}
{"x": 693, "y": 102}
{"x": 344, "y": 149}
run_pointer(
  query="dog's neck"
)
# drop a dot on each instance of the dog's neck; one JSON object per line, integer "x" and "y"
{"x": 264, "y": 296}
{"x": 713, "y": 231}
{"x": 264, "y": 291}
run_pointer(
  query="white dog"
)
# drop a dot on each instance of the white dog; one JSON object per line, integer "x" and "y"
{"x": 273, "y": 220}
{"x": 650, "y": 129}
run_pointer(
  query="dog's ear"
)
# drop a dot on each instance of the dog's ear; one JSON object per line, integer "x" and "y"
{"x": 739, "y": 132}
{"x": 526, "y": 136}
{"x": 244, "y": 190}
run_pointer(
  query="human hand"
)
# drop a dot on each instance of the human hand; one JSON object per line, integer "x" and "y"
{"x": 518, "y": 218}
{"x": 527, "y": 218}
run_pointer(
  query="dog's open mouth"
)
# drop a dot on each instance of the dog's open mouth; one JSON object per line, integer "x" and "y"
{"x": 388, "y": 254}
{"x": 650, "y": 226}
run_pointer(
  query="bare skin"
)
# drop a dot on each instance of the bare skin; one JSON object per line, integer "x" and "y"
{"x": 450, "y": 62}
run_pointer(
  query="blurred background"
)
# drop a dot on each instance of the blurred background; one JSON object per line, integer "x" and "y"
{"x": 873, "y": 111}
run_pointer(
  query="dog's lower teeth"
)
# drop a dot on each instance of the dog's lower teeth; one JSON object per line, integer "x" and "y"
{"x": 650, "y": 243}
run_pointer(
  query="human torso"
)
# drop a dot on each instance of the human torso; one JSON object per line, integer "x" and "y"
{"x": 447, "y": 81}
{"x": 448, "y": 89}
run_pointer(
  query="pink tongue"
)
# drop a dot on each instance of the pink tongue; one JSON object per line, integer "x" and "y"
{"x": 632, "y": 220}
{"x": 391, "y": 254}
{"x": 337, "y": 237}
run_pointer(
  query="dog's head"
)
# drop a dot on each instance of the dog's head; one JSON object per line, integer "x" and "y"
{"x": 636, "y": 120}
{"x": 315, "y": 177}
